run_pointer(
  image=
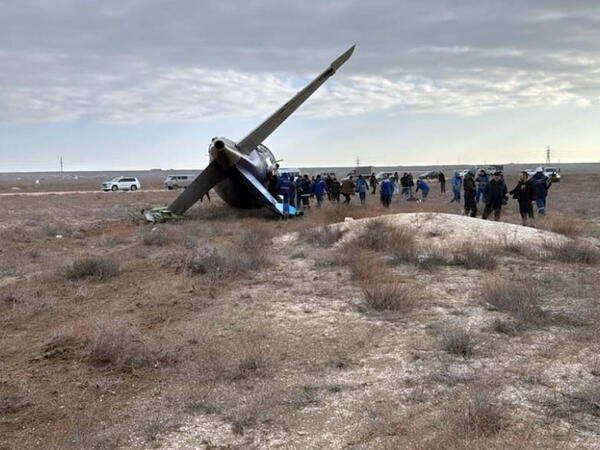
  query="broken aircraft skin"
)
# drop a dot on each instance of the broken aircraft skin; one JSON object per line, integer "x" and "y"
{"x": 239, "y": 171}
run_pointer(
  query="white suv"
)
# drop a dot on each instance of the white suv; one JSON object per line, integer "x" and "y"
{"x": 121, "y": 183}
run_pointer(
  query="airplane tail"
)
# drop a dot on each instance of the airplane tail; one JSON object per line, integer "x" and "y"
{"x": 211, "y": 176}
{"x": 257, "y": 136}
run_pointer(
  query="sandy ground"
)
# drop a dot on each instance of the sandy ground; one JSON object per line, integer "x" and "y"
{"x": 287, "y": 352}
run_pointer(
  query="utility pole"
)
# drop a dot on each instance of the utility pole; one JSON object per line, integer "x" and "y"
{"x": 61, "y": 167}
{"x": 548, "y": 155}
{"x": 357, "y": 162}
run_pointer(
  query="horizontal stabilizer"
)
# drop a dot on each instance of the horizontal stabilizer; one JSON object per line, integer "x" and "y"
{"x": 266, "y": 198}
{"x": 211, "y": 176}
{"x": 257, "y": 136}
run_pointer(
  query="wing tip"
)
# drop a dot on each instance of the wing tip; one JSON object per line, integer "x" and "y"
{"x": 343, "y": 58}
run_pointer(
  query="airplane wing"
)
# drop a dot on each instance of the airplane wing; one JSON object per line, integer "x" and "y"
{"x": 265, "y": 196}
{"x": 257, "y": 136}
{"x": 203, "y": 183}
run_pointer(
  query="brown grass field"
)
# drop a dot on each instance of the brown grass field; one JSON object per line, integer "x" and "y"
{"x": 230, "y": 329}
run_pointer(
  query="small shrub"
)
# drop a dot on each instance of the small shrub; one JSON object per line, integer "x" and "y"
{"x": 481, "y": 415}
{"x": 374, "y": 236}
{"x": 516, "y": 298}
{"x": 480, "y": 258}
{"x": 155, "y": 238}
{"x": 389, "y": 297}
{"x": 504, "y": 327}
{"x": 457, "y": 342}
{"x": 120, "y": 346}
{"x": 562, "y": 224}
{"x": 587, "y": 400}
{"x": 12, "y": 400}
{"x": 324, "y": 236}
{"x": 100, "y": 268}
{"x": 573, "y": 252}
{"x": 209, "y": 260}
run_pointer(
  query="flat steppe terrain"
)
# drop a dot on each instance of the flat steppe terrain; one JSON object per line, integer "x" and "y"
{"x": 413, "y": 327}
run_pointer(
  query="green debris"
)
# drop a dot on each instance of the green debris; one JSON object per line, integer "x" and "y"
{"x": 161, "y": 214}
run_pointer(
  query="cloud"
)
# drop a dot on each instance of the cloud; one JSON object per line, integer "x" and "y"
{"x": 193, "y": 61}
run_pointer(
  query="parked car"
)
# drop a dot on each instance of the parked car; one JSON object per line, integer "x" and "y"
{"x": 381, "y": 175}
{"x": 551, "y": 172}
{"x": 430, "y": 175}
{"x": 121, "y": 183}
{"x": 178, "y": 181}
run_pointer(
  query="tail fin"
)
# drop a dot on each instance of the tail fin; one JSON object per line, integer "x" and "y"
{"x": 257, "y": 136}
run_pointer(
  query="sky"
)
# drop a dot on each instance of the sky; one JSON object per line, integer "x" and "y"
{"x": 140, "y": 84}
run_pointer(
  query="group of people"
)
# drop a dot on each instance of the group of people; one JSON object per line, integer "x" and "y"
{"x": 493, "y": 192}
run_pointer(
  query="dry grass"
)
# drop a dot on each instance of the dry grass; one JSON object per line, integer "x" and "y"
{"x": 567, "y": 225}
{"x": 156, "y": 237}
{"x": 457, "y": 342}
{"x": 96, "y": 267}
{"x": 573, "y": 252}
{"x": 520, "y": 300}
{"x": 480, "y": 258}
{"x": 389, "y": 297}
{"x": 110, "y": 343}
{"x": 324, "y": 236}
{"x": 481, "y": 414}
{"x": 12, "y": 399}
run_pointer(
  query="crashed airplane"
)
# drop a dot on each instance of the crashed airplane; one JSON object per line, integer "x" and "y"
{"x": 239, "y": 171}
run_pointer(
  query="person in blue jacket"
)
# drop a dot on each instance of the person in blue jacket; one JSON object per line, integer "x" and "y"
{"x": 423, "y": 187}
{"x": 319, "y": 189}
{"x": 361, "y": 188}
{"x": 456, "y": 186}
{"x": 482, "y": 181}
{"x": 386, "y": 190}
{"x": 542, "y": 183}
{"x": 284, "y": 190}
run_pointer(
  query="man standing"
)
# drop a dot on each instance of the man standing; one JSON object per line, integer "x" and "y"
{"x": 361, "y": 188}
{"x": 373, "y": 183}
{"x": 348, "y": 187}
{"x": 306, "y": 190}
{"x": 524, "y": 192}
{"x": 386, "y": 190}
{"x": 292, "y": 192}
{"x": 405, "y": 182}
{"x": 469, "y": 190}
{"x": 442, "y": 180}
{"x": 482, "y": 181}
{"x": 335, "y": 190}
{"x": 456, "y": 185}
{"x": 319, "y": 188}
{"x": 396, "y": 183}
{"x": 423, "y": 187}
{"x": 494, "y": 196}
{"x": 542, "y": 183}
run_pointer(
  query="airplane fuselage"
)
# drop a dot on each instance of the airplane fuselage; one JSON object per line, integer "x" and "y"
{"x": 233, "y": 189}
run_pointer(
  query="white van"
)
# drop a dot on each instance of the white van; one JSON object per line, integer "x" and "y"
{"x": 178, "y": 181}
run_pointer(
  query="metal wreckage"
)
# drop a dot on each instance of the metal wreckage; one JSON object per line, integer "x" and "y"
{"x": 240, "y": 171}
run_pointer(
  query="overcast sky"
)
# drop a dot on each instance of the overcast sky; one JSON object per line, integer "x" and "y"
{"x": 124, "y": 84}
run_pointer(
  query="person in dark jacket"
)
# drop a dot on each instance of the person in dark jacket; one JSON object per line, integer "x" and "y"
{"x": 292, "y": 192}
{"x": 542, "y": 183}
{"x": 306, "y": 188}
{"x": 328, "y": 182}
{"x": 442, "y": 180}
{"x": 335, "y": 190}
{"x": 495, "y": 196}
{"x": 386, "y": 190}
{"x": 524, "y": 193}
{"x": 319, "y": 189}
{"x": 373, "y": 182}
{"x": 469, "y": 191}
{"x": 406, "y": 186}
